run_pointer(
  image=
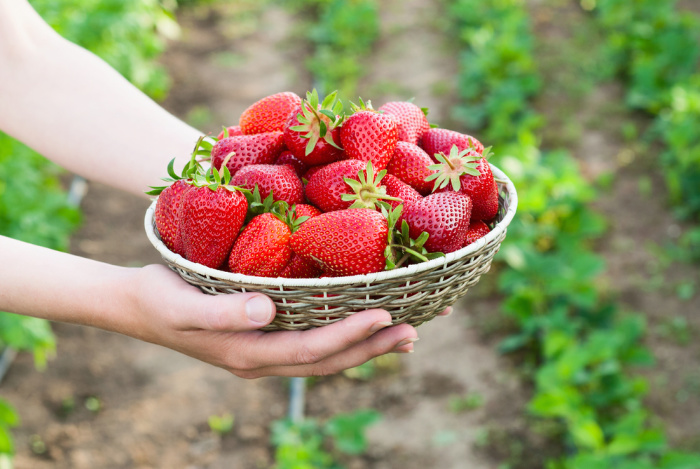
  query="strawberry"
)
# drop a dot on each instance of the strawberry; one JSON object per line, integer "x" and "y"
{"x": 345, "y": 184}
{"x": 167, "y": 215}
{"x": 230, "y": 131}
{"x": 410, "y": 164}
{"x": 468, "y": 172}
{"x": 444, "y": 216}
{"x": 269, "y": 114}
{"x": 412, "y": 120}
{"x": 477, "y": 229}
{"x": 211, "y": 216}
{"x": 395, "y": 187}
{"x": 282, "y": 181}
{"x": 310, "y": 172}
{"x": 344, "y": 242}
{"x": 261, "y": 148}
{"x": 299, "y": 267}
{"x": 442, "y": 140}
{"x": 304, "y": 210}
{"x": 287, "y": 157}
{"x": 368, "y": 135}
{"x": 262, "y": 249}
{"x": 312, "y": 132}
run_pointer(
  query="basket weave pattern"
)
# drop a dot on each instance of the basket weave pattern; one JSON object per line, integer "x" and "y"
{"x": 413, "y": 294}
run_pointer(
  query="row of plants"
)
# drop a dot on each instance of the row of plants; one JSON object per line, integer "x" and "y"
{"x": 35, "y": 207}
{"x": 655, "y": 49}
{"x": 579, "y": 344}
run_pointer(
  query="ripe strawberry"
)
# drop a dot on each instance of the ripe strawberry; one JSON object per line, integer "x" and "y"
{"x": 370, "y": 136}
{"x": 312, "y": 132}
{"x": 477, "y": 229}
{"x": 310, "y": 172}
{"x": 211, "y": 216}
{"x": 269, "y": 114}
{"x": 298, "y": 267}
{"x": 232, "y": 131}
{"x": 412, "y": 120}
{"x": 410, "y": 164}
{"x": 261, "y": 148}
{"x": 344, "y": 242}
{"x": 442, "y": 140}
{"x": 468, "y": 172}
{"x": 345, "y": 184}
{"x": 262, "y": 249}
{"x": 167, "y": 215}
{"x": 282, "y": 181}
{"x": 287, "y": 157}
{"x": 395, "y": 187}
{"x": 444, "y": 216}
{"x": 305, "y": 210}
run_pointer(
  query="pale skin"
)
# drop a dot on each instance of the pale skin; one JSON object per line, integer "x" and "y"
{"x": 74, "y": 109}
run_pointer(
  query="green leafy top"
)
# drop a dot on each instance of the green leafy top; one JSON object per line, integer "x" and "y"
{"x": 193, "y": 170}
{"x": 317, "y": 122}
{"x": 401, "y": 248}
{"x": 367, "y": 189}
{"x": 451, "y": 167}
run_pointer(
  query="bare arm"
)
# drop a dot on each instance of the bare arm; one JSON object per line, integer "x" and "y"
{"x": 70, "y": 106}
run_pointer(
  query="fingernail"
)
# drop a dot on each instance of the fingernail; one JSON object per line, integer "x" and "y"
{"x": 403, "y": 351}
{"x": 448, "y": 311}
{"x": 379, "y": 326}
{"x": 406, "y": 342}
{"x": 258, "y": 309}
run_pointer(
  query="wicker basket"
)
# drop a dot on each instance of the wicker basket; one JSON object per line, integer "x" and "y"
{"x": 413, "y": 294}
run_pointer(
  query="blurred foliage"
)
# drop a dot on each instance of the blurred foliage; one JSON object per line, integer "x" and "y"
{"x": 303, "y": 445}
{"x": 580, "y": 345}
{"x": 342, "y": 33}
{"x": 34, "y": 208}
{"x": 655, "y": 48}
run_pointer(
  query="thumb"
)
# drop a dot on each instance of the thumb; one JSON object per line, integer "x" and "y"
{"x": 236, "y": 312}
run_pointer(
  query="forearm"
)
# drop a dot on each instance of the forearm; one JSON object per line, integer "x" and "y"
{"x": 40, "y": 282}
{"x": 72, "y": 107}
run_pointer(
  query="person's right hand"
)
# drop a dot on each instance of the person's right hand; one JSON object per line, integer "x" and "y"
{"x": 222, "y": 330}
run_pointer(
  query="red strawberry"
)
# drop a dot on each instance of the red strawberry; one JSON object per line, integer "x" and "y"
{"x": 304, "y": 210}
{"x": 442, "y": 140}
{"x": 477, "y": 229}
{"x": 370, "y": 136}
{"x": 344, "y": 242}
{"x": 269, "y": 114}
{"x": 469, "y": 173}
{"x": 262, "y": 249}
{"x": 210, "y": 221}
{"x": 286, "y": 157}
{"x": 444, "y": 216}
{"x": 310, "y": 172}
{"x": 298, "y": 267}
{"x": 232, "y": 132}
{"x": 410, "y": 164}
{"x": 345, "y": 184}
{"x": 312, "y": 133}
{"x": 247, "y": 149}
{"x": 167, "y": 215}
{"x": 412, "y": 120}
{"x": 395, "y": 187}
{"x": 282, "y": 181}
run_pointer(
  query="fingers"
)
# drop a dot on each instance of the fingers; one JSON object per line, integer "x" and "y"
{"x": 447, "y": 312}
{"x": 290, "y": 348}
{"x": 396, "y": 338}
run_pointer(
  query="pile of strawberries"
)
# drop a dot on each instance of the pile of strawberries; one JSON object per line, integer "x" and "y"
{"x": 300, "y": 189}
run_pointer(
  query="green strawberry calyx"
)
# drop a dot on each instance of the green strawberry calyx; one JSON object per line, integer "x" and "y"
{"x": 192, "y": 169}
{"x": 401, "y": 248}
{"x": 288, "y": 215}
{"x": 317, "y": 121}
{"x": 367, "y": 189}
{"x": 451, "y": 167}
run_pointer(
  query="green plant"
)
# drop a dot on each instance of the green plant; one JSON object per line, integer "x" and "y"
{"x": 301, "y": 445}
{"x": 221, "y": 424}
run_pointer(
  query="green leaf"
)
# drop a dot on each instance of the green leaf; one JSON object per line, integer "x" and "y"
{"x": 348, "y": 430}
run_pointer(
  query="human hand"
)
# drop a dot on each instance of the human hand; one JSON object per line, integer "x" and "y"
{"x": 222, "y": 330}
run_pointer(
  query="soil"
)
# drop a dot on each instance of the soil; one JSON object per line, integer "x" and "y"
{"x": 109, "y": 401}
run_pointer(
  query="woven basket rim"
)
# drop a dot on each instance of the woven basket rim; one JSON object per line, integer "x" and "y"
{"x": 278, "y": 282}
